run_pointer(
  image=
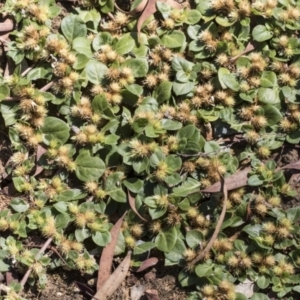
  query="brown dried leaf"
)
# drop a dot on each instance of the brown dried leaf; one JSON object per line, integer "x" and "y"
{"x": 115, "y": 279}
{"x": 108, "y": 254}
{"x": 150, "y": 262}
{"x": 131, "y": 201}
{"x": 232, "y": 182}
{"x": 152, "y": 294}
{"x": 249, "y": 48}
{"x": 39, "y": 152}
{"x": 7, "y": 25}
{"x": 295, "y": 165}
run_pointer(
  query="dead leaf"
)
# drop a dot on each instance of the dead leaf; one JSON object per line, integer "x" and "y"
{"x": 232, "y": 182}
{"x": 115, "y": 279}
{"x": 295, "y": 165}
{"x": 152, "y": 294}
{"x": 108, "y": 254}
{"x": 131, "y": 201}
{"x": 7, "y": 25}
{"x": 150, "y": 262}
{"x": 246, "y": 288}
{"x": 150, "y": 9}
{"x": 249, "y": 48}
{"x": 39, "y": 152}
{"x": 137, "y": 291}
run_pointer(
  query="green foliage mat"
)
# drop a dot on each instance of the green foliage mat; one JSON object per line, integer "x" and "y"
{"x": 103, "y": 119}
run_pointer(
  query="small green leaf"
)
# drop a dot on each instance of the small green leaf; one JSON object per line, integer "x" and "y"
{"x": 95, "y": 71}
{"x": 163, "y": 92}
{"x": 4, "y": 91}
{"x": 133, "y": 184}
{"x": 82, "y": 45}
{"x": 165, "y": 240}
{"x": 125, "y": 44}
{"x": 193, "y": 238}
{"x": 188, "y": 187}
{"x": 19, "y": 205}
{"x": 227, "y": 80}
{"x": 88, "y": 168}
{"x": 118, "y": 195}
{"x": 70, "y": 195}
{"x": 55, "y": 129}
{"x": 101, "y": 238}
{"x": 254, "y": 180}
{"x": 141, "y": 248}
{"x": 139, "y": 66}
{"x": 72, "y": 27}
{"x": 180, "y": 88}
{"x": 173, "y": 40}
{"x": 272, "y": 114}
{"x": 3, "y": 266}
{"x": 260, "y": 33}
{"x": 203, "y": 270}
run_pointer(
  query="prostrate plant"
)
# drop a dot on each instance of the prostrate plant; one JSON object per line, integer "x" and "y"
{"x": 96, "y": 112}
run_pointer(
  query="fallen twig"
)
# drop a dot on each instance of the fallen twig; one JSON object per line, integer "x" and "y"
{"x": 37, "y": 257}
{"x": 115, "y": 279}
{"x": 218, "y": 226}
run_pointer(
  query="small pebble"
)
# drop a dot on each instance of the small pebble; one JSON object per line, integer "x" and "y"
{"x": 92, "y": 282}
{"x": 59, "y": 294}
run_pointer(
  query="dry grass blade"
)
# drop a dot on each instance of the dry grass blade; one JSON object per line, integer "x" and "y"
{"x": 7, "y": 25}
{"x": 217, "y": 229}
{"x": 295, "y": 165}
{"x": 108, "y": 254}
{"x": 232, "y": 182}
{"x": 39, "y": 152}
{"x": 132, "y": 206}
{"x": 150, "y": 262}
{"x": 115, "y": 279}
{"x": 249, "y": 48}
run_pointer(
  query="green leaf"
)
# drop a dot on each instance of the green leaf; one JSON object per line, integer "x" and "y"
{"x": 263, "y": 282}
{"x": 260, "y": 33}
{"x": 188, "y": 187}
{"x": 175, "y": 39}
{"x": 253, "y": 230}
{"x": 101, "y": 238}
{"x": 99, "y": 104}
{"x": 170, "y": 124}
{"x": 72, "y": 27}
{"x": 254, "y": 180}
{"x": 81, "y": 61}
{"x": 133, "y": 184}
{"x": 55, "y": 129}
{"x": 82, "y": 234}
{"x": 203, "y": 270}
{"x": 73, "y": 194}
{"x": 9, "y": 113}
{"x": 3, "y": 266}
{"x": 88, "y": 168}
{"x": 95, "y": 71}
{"x": 62, "y": 221}
{"x": 174, "y": 162}
{"x": 157, "y": 212}
{"x": 272, "y": 114}
{"x": 118, "y": 195}
{"x": 193, "y": 238}
{"x": 37, "y": 73}
{"x": 19, "y": 205}
{"x": 4, "y": 91}
{"x": 163, "y": 92}
{"x": 268, "y": 79}
{"x": 180, "y": 88}
{"x": 187, "y": 278}
{"x": 101, "y": 39}
{"x": 125, "y": 44}
{"x": 267, "y": 95}
{"x": 165, "y": 240}
{"x": 193, "y": 16}
{"x": 227, "y": 80}
{"x": 82, "y": 45}
{"x": 139, "y": 66}
{"x": 141, "y": 248}
{"x": 259, "y": 296}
